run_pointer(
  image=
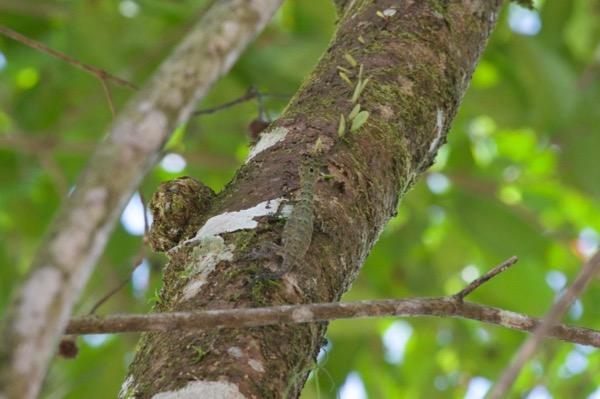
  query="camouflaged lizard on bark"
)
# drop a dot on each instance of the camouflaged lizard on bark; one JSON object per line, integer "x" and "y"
{"x": 297, "y": 232}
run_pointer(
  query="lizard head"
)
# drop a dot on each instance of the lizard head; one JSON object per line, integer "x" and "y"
{"x": 309, "y": 168}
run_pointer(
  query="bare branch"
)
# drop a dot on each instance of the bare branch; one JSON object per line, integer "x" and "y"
{"x": 529, "y": 347}
{"x": 254, "y": 317}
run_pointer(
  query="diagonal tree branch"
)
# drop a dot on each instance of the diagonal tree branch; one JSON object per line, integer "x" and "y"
{"x": 41, "y": 304}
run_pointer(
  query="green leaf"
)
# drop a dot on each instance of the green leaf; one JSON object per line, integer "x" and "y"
{"x": 346, "y": 78}
{"x": 342, "y": 126}
{"x": 360, "y": 86}
{"x": 354, "y": 112}
{"x": 350, "y": 60}
{"x": 360, "y": 120}
{"x": 342, "y": 69}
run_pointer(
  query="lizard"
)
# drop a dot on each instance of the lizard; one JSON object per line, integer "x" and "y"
{"x": 298, "y": 229}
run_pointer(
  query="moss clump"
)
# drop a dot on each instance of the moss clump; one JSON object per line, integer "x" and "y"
{"x": 178, "y": 209}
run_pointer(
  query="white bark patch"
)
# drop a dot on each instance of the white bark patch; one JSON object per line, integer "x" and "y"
{"x": 439, "y": 126}
{"x": 204, "y": 389}
{"x": 125, "y": 392}
{"x": 212, "y": 248}
{"x": 210, "y": 251}
{"x": 302, "y": 315}
{"x": 38, "y": 296}
{"x": 144, "y": 106}
{"x": 512, "y": 319}
{"x": 174, "y": 98}
{"x": 256, "y": 365}
{"x": 231, "y": 31}
{"x": 406, "y": 309}
{"x": 286, "y": 210}
{"x": 267, "y": 139}
{"x": 240, "y": 220}
{"x": 192, "y": 288}
{"x": 235, "y": 351}
{"x": 151, "y": 130}
{"x": 144, "y": 135}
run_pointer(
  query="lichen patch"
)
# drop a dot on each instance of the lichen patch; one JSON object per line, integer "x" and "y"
{"x": 239, "y": 220}
{"x": 267, "y": 139}
{"x": 256, "y": 365}
{"x": 210, "y": 248}
{"x": 235, "y": 351}
{"x": 302, "y": 315}
{"x": 204, "y": 389}
{"x": 126, "y": 388}
{"x": 439, "y": 131}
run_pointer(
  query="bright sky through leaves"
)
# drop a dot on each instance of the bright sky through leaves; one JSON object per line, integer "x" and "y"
{"x": 353, "y": 388}
{"x": 524, "y": 21}
{"x": 132, "y": 218}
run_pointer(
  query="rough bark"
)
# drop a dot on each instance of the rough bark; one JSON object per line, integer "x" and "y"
{"x": 42, "y": 303}
{"x": 419, "y": 57}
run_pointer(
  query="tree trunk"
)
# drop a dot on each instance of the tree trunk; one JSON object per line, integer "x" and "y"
{"x": 413, "y": 61}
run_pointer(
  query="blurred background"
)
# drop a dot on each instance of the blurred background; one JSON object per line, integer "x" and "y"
{"x": 519, "y": 176}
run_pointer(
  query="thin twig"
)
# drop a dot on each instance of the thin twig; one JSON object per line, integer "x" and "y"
{"x": 485, "y": 278}
{"x": 97, "y": 72}
{"x": 529, "y": 347}
{"x": 250, "y": 94}
{"x": 108, "y": 295}
{"x": 138, "y": 261}
{"x": 109, "y": 98}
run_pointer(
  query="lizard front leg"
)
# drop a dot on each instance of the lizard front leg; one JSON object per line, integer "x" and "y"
{"x": 287, "y": 264}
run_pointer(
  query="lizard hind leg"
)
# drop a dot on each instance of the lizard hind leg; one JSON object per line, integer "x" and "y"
{"x": 267, "y": 250}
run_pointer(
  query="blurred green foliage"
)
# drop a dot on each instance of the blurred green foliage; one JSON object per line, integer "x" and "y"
{"x": 517, "y": 177}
